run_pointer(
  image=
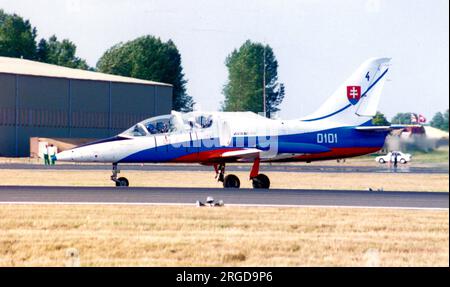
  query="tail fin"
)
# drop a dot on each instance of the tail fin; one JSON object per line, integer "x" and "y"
{"x": 356, "y": 100}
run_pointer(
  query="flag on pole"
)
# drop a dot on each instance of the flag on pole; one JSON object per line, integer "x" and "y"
{"x": 422, "y": 119}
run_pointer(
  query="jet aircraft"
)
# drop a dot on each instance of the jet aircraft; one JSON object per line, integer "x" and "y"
{"x": 340, "y": 128}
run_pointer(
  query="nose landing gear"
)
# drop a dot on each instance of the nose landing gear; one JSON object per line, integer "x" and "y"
{"x": 121, "y": 181}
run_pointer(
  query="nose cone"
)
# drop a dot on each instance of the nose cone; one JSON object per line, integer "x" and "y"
{"x": 65, "y": 155}
{"x": 89, "y": 153}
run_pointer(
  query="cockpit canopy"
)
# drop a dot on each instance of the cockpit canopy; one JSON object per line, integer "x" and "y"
{"x": 175, "y": 122}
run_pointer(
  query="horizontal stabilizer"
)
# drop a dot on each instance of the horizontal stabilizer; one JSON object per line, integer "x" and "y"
{"x": 395, "y": 127}
{"x": 374, "y": 128}
{"x": 385, "y": 128}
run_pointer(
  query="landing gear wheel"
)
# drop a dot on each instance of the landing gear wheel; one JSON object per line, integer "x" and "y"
{"x": 261, "y": 181}
{"x": 231, "y": 181}
{"x": 122, "y": 181}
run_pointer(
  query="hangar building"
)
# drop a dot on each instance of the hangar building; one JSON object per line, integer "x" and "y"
{"x": 43, "y": 100}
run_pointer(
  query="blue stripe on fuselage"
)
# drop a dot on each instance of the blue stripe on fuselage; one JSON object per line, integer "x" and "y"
{"x": 343, "y": 137}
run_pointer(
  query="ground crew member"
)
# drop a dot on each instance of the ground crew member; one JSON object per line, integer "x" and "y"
{"x": 46, "y": 158}
{"x": 52, "y": 154}
{"x": 395, "y": 159}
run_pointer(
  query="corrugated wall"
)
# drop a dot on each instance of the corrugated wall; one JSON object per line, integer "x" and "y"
{"x": 67, "y": 108}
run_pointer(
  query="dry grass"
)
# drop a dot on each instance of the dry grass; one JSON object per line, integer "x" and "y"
{"x": 114, "y": 235}
{"x": 357, "y": 181}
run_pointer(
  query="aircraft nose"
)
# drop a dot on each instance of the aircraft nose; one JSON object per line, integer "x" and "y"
{"x": 64, "y": 155}
{"x": 81, "y": 154}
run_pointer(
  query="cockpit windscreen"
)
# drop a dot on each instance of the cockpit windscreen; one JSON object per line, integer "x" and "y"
{"x": 172, "y": 123}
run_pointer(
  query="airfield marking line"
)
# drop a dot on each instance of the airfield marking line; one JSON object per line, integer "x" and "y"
{"x": 231, "y": 204}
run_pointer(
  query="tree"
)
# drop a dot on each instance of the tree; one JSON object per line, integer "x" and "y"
{"x": 445, "y": 125}
{"x": 149, "y": 58}
{"x": 17, "y": 37}
{"x": 380, "y": 120}
{"x": 59, "y": 53}
{"x": 244, "y": 89}
{"x": 402, "y": 118}
{"x": 438, "y": 121}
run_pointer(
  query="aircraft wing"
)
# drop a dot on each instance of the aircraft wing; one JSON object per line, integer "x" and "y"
{"x": 245, "y": 153}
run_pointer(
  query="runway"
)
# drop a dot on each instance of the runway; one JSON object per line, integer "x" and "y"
{"x": 376, "y": 168}
{"x": 186, "y": 196}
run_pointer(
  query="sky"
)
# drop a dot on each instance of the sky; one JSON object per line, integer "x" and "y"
{"x": 318, "y": 43}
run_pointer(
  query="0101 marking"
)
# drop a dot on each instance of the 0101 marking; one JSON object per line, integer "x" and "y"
{"x": 327, "y": 138}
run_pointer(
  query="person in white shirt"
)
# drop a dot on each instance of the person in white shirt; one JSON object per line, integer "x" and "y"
{"x": 46, "y": 157}
{"x": 52, "y": 153}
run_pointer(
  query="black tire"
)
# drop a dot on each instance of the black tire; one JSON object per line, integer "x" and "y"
{"x": 122, "y": 181}
{"x": 403, "y": 161}
{"x": 231, "y": 181}
{"x": 381, "y": 160}
{"x": 261, "y": 181}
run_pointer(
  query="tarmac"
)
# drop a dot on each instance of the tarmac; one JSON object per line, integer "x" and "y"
{"x": 242, "y": 197}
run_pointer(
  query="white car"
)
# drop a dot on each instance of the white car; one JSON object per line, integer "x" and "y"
{"x": 401, "y": 157}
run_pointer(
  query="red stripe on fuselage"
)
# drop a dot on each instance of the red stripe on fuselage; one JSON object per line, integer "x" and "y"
{"x": 205, "y": 156}
{"x": 335, "y": 153}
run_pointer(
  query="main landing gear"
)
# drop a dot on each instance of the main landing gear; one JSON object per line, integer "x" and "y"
{"x": 259, "y": 180}
{"x": 229, "y": 181}
{"x": 121, "y": 181}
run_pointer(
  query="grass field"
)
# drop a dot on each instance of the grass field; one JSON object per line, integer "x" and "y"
{"x": 356, "y": 181}
{"x": 114, "y": 235}
{"x": 436, "y": 156}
